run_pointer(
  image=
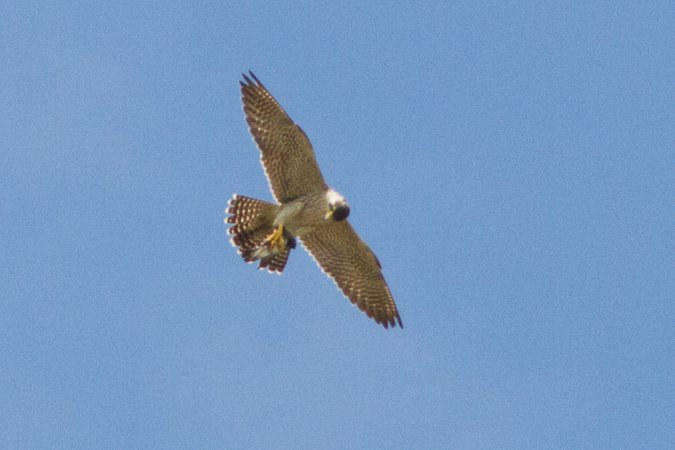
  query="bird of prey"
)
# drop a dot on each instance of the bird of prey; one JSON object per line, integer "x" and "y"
{"x": 306, "y": 208}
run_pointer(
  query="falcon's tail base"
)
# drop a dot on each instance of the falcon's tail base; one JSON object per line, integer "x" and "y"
{"x": 254, "y": 235}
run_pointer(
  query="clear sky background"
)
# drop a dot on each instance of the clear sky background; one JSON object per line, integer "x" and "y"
{"x": 512, "y": 166}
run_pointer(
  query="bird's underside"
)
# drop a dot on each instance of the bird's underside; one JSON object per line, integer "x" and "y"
{"x": 306, "y": 208}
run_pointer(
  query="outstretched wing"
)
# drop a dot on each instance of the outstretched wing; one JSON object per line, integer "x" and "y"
{"x": 286, "y": 153}
{"x": 342, "y": 255}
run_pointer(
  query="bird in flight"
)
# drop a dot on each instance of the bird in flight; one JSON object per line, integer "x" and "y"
{"x": 306, "y": 208}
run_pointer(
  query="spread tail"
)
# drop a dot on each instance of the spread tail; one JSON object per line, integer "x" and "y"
{"x": 252, "y": 227}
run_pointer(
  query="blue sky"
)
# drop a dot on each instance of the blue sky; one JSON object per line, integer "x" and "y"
{"x": 510, "y": 164}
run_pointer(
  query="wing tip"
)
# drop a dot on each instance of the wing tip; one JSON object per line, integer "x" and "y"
{"x": 390, "y": 322}
{"x": 247, "y": 80}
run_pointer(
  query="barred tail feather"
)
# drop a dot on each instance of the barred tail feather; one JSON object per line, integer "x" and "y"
{"x": 252, "y": 221}
{"x": 271, "y": 259}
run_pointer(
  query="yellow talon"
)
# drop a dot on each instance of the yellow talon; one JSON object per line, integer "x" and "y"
{"x": 276, "y": 239}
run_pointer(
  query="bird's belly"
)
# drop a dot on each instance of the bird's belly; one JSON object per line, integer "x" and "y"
{"x": 300, "y": 231}
{"x": 303, "y": 223}
{"x": 300, "y": 218}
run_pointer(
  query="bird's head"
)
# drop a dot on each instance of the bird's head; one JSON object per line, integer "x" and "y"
{"x": 338, "y": 209}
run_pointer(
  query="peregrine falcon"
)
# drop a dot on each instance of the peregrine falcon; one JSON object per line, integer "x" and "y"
{"x": 306, "y": 208}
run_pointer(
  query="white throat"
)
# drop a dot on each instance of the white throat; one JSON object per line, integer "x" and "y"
{"x": 333, "y": 197}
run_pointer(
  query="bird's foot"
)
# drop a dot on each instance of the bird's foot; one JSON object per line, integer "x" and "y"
{"x": 276, "y": 239}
